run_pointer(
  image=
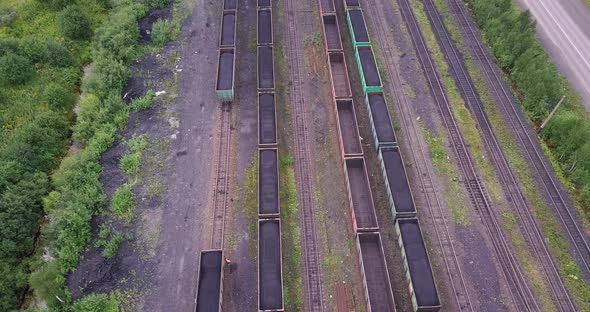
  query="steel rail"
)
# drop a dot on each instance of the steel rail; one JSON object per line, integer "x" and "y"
{"x": 520, "y": 291}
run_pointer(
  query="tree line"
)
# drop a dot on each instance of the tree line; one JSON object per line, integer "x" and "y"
{"x": 512, "y": 38}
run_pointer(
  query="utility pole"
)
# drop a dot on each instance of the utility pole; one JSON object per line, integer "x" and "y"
{"x": 551, "y": 114}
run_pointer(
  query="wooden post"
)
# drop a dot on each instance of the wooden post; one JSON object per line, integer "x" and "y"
{"x": 551, "y": 114}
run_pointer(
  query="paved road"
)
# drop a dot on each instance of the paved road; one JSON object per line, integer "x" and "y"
{"x": 564, "y": 28}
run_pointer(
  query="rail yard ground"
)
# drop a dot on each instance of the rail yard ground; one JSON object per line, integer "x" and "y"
{"x": 491, "y": 219}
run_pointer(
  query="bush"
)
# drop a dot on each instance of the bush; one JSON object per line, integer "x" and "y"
{"x": 74, "y": 24}
{"x": 109, "y": 76}
{"x": 164, "y": 31}
{"x": 58, "y": 97}
{"x": 130, "y": 163}
{"x": 8, "y": 45}
{"x": 15, "y": 69}
{"x": 112, "y": 246}
{"x": 33, "y": 48}
{"x": 47, "y": 283}
{"x": 143, "y": 103}
{"x": 155, "y": 4}
{"x": 120, "y": 35}
{"x": 7, "y": 16}
{"x": 57, "y": 55}
{"x": 123, "y": 203}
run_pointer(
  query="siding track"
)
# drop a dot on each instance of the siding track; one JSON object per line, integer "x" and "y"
{"x": 519, "y": 290}
{"x": 530, "y": 229}
{"x": 561, "y": 207}
{"x": 222, "y": 177}
{"x": 313, "y": 275}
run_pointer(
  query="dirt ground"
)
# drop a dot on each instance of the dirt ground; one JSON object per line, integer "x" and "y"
{"x": 158, "y": 264}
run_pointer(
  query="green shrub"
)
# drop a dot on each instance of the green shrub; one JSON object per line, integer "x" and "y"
{"x": 33, "y": 48}
{"x": 8, "y": 45}
{"x": 97, "y": 303}
{"x": 57, "y": 55}
{"x": 74, "y": 24}
{"x": 123, "y": 203}
{"x": 47, "y": 283}
{"x": 120, "y": 35}
{"x": 15, "y": 69}
{"x": 109, "y": 76}
{"x": 7, "y": 16}
{"x": 143, "y": 103}
{"x": 156, "y": 4}
{"x": 112, "y": 246}
{"x": 131, "y": 162}
{"x": 58, "y": 97}
{"x": 164, "y": 31}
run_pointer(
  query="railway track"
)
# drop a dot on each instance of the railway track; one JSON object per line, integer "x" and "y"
{"x": 532, "y": 149}
{"x": 313, "y": 287}
{"x": 509, "y": 182}
{"x": 519, "y": 290}
{"x": 423, "y": 170}
{"x": 222, "y": 177}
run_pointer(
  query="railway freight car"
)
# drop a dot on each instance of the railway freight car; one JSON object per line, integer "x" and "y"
{"x": 332, "y": 33}
{"x": 360, "y": 197}
{"x": 268, "y": 183}
{"x": 225, "y": 75}
{"x": 417, "y": 266}
{"x": 379, "y": 119}
{"x": 399, "y": 194}
{"x": 376, "y": 283}
{"x": 267, "y": 120}
{"x": 266, "y": 78}
{"x": 350, "y": 139}
{"x": 227, "y": 38}
{"x": 370, "y": 78}
{"x": 339, "y": 74}
{"x": 264, "y": 3}
{"x": 270, "y": 272}
{"x": 210, "y": 281}
{"x": 357, "y": 28}
{"x": 264, "y": 29}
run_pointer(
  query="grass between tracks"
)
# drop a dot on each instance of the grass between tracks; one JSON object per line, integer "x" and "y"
{"x": 475, "y": 145}
{"x": 293, "y": 292}
{"x": 557, "y": 242}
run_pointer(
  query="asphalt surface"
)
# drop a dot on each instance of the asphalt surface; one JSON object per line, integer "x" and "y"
{"x": 564, "y": 29}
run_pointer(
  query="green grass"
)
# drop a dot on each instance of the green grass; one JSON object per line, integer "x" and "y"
{"x": 453, "y": 191}
{"x": 143, "y": 103}
{"x": 123, "y": 203}
{"x": 559, "y": 246}
{"x": 130, "y": 163}
{"x": 250, "y": 204}
{"x": 293, "y": 292}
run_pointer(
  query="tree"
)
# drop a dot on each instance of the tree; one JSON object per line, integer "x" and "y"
{"x": 15, "y": 69}
{"x": 74, "y": 24}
